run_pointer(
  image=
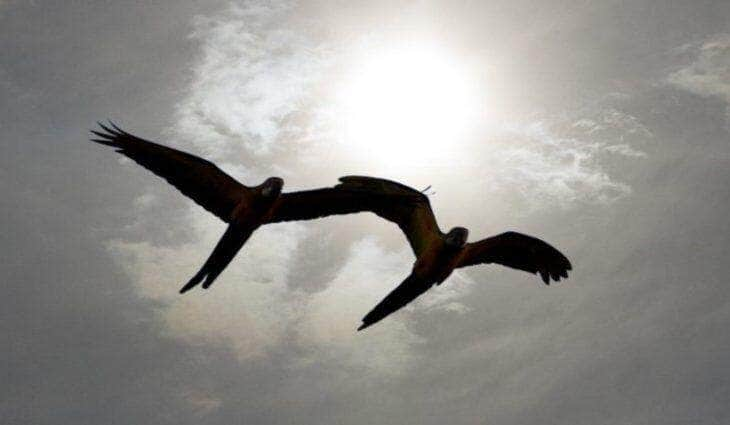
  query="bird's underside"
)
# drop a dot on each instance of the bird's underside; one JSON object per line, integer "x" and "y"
{"x": 247, "y": 208}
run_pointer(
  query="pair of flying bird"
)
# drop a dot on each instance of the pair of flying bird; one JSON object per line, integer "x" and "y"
{"x": 245, "y": 209}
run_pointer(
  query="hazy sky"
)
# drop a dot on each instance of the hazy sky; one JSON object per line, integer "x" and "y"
{"x": 600, "y": 126}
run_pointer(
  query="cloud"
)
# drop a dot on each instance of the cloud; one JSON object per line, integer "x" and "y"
{"x": 266, "y": 90}
{"x": 560, "y": 162}
{"x": 252, "y": 310}
{"x": 256, "y": 280}
{"x": 252, "y": 76}
{"x": 328, "y": 324}
{"x": 709, "y": 72}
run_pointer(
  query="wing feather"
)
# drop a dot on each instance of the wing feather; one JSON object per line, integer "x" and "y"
{"x": 414, "y": 217}
{"x": 406, "y": 207}
{"x": 197, "y": 178}
{"x": 518, "y": 251}
{"x": 317, "y": 203}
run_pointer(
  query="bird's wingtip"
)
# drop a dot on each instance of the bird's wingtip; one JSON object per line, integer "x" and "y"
{"x": 544, "y": 276}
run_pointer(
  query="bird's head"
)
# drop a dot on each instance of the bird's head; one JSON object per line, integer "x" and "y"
{"x": 456, "y": 238}
{"x": 272, "y": 187}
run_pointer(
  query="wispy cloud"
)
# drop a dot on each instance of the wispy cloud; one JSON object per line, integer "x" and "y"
{"x": 252, "y": 76}
{"x": 709, "y": 72}
{"x": 328, "y": 324}
{"x": 559, "y": 162}
{"x": 256, "y": 280}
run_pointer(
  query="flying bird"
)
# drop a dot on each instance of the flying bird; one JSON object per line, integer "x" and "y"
{"x": 244, "y": 208}
{"x": 438, "y": 253}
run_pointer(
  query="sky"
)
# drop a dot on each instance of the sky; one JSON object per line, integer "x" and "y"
{"x": 602, "y": 127}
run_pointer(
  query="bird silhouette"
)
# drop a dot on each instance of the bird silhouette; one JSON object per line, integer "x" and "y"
{"x": 438, "y": 253}
{"x": 244, "y": 208}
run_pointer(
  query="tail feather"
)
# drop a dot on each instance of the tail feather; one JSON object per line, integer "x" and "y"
{"x": 410, "y": 289}
{"x": 227, "y": 248}
{"x": 195, "y": 280}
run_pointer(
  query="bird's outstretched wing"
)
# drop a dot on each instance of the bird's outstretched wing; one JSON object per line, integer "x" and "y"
{"x": 520, "y": 252}
{"x": 317, "y": 203}
{"x": 406, "y": 207}
{"x": 196, "y": 178}
{"x": 407, "y": 291}
{"x": 415, "y": 217}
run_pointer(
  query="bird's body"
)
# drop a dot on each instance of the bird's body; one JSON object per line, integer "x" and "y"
{"x": 245, "y": 209}
{"x": 436, "y": 262}
{"x": 254, "y": 208}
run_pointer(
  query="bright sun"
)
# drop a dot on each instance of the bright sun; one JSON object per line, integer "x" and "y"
{"x": 409, "y": 105}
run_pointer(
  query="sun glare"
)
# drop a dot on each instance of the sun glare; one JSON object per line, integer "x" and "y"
{"x": 410, "y": 105}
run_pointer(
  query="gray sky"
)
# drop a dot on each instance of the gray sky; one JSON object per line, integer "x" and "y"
{"x": 600, "y": 126}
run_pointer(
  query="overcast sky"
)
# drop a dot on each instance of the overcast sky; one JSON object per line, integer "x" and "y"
{"x": 602, "y": 127}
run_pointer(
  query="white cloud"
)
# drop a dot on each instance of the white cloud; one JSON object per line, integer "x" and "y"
{"x": 448, "y": 295}
{"x": 251, "y": 77}
{"x": 625, "y": 150}
{"x": 552, "y": 167}
{"x": 709, "y": 73}
{"x": 256, "y": 280}
{"x": 612, "y": 125}
{"x": 251, "y": 309}
{"x": 331, "y": 316}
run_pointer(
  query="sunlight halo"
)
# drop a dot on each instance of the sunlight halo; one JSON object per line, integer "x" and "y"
{"x": 408, "y": 105}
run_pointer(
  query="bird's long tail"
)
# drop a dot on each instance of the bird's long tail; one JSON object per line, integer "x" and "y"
{"x": 410, "y": 289}
{"x": 227, "y": 248}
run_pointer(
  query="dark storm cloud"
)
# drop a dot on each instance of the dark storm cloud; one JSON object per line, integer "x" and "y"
{"x": 637, "y": 335}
